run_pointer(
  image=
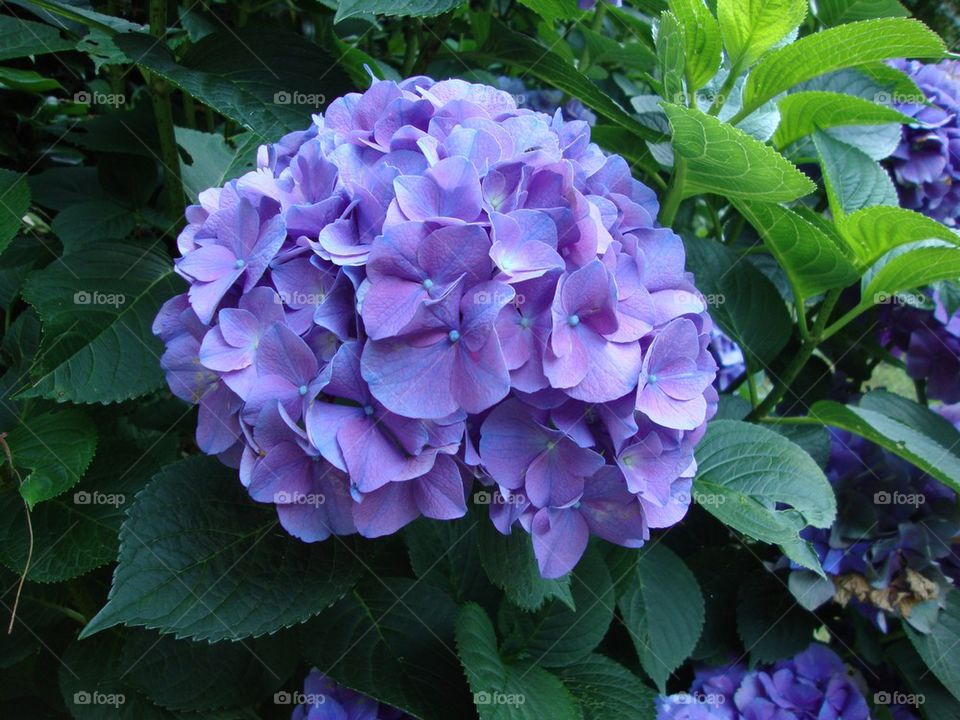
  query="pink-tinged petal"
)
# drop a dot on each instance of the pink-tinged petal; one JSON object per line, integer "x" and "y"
{"x": 206, "y": 296}
{"x": 208, "y": 263}
{"x": 386, "y": 510}
{"x": 566, "y": 361}
{"x": 322, "y": 421}
{"x": 418, "y": 197}
{"x": 458, "y": 187}
{"x": 272, "y": 235}
{"x": 555, "y": 477}
{"x": 480, "y": 378}
{"x": 372, "y": 458}
{"x": 611, "y": 512}
{"x": 305, "y": 521}
{"x": 439, "y": 494}
{"x": 239, "y": 326}
{"x": 664, "y": 410}
{"x": 523, "y": 260}
{"x": 681, "y": 379}
{"x": 612, "y": 369}
{"x": 449, "y": 252}
{"x": 217, "y": 355}
{"x": 668, "y": 304}
{"x": 661, "y": 516}
{"x": 559, "y": 540}
{"x": 389, "y": 305}
{"x": 218, "y": 426}
{"x": 409, "y": 380}
{"x": 282, "y": 352}
{"x": 510, "y": 439}
{"x": 636, "y": 317}
{"x": 283, "y": 475}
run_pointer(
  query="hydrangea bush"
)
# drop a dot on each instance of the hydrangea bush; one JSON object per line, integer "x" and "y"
{"x": 572, "y": 360}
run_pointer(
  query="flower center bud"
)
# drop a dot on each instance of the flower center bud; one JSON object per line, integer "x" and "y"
{"x": 368, "y": 409}
{"x": 302, "y": 389}
{"x": 240, "y": 263}
{"x": 652, "y": 378}
{"x": 573, "y": 320}
{"x": 427, "y": 284}
{"x": 525, "y": 322}
{"x": 454, "y": 335}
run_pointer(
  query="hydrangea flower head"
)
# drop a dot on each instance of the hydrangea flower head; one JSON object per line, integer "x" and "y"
{"x": 813, "y": 685}
{"x": 926, "y": 164}
{"x": 431, "y": 285}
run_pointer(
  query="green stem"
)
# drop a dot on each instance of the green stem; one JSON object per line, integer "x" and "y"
{"x": 845, "y": 320}
{"x": 190, "y": 111}
{"x": 595, "y": 25}
{"x": 799, "y": 360}
{"x": 668, "y": 211}
{"x": 752, "y": 387}
{"x": 163, "y": 114}
{"x": 721, "y": 98}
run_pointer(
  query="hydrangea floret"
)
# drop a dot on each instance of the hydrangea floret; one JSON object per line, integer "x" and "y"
{"x": 429, "y": 286}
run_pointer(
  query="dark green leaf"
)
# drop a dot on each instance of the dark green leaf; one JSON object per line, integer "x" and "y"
{"x": 85, "y": 223}
{"x": 19, "y": 38}
{"x": 14, "y": 201}
{"x": 396, "y": 8}
{"x": 608, "y": 691}
{"x": 770, "y": 623}
{"x": 853, "y": 180}
{"x": 940, "y": 648}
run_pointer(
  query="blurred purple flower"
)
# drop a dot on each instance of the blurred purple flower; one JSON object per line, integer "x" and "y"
{"x": 323, "y": 699}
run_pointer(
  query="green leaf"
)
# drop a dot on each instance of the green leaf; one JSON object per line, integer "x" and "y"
{"x": 26, "y": 81}
{"x": 199, "y": 559}
{"x": 871, "y": 232}
{"x": 190, "y": 676}
{"x": 79, "y": 225}
{"x": 555, "y": 635}
{"x": 210, "y": 160}
{"x": 751, "y": 27}
{"x": 14, "y": 202}
{"x": 770, "y": 623}
{"x": 913, "y": 269}
{"x": 606, "y": 690}
{"x": 511, "y": 565}
{"x": 77, "y": 532}
{"x": 811, "y": 259}
{"x": 392, "y": 639}
{"x": 915, "y": 415}
{"x": 761, "y": 484}
{"x": 56, "y": 448}
{"x": 802, "y": 113}
{"x": 97, "y": 309}
{"x": 394, "y": 8}
{"x": 702, "y": 44}
{"x": 725, "y": 160}
{"x": 670, "y": 56}
{"x": 855, "y": 44}
{"x": 226, "y": 71}
{"x": 909, "y": 442}
{"x": 853, "y": 180}
{"x": 503, "y": 691}
{"x": 938, "y": 702}
{"x": 99, "y": 46}
{"x": 940, "y": 648}
{"x": 19, "y": 38}
{"x": 663, "y": 611}
{"x": 553, "y": 10}
{"x": 447, "y": 555}
{"x": 736, "y": 289}
{"x": 836, "y": 12}
{"x": 505, "y": 45}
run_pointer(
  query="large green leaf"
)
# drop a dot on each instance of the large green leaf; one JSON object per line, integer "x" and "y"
{"x": 937, "y": 702}
{"x": 524, "y": 53}
{"x": 606, "y": 690}
{"x": 506, "y": 691}
{"x": 702, "y": 43}
{"x": 555, "y": 635}
{"x": 670, "y": 54}
{"x": 836, "y": 12}
{"x": 913, "y": 269}
{"x": 53, "y": 451}
{"x": 908, "y": 441}
{"x": 855, "y": 44}
{"x": 853, "y": 180}
{"x": 209, "y": 160}
{"x": 663, "y": 610}
{"x": 761, "y": 484}
{"x": 392, "y": 639}
{"x": 19, "y": 38}
{"x": 447, "y": 554}
{"x": 913, "y": 414}
{"x": 725, "y": 160}
{"x": 14, "y": 201}
{"x": 93, "y": 221}
{"x": 269, "y": 81}
{"x": 199, "y": 559}
{"x": 736, "y": 289}
{"x": 97, "y": 309}
{"x": 871, "y": 232}
{"x": 550, "y": 10}
{"x": 511, "y": 565}
{"x": 770, "y": 623}
{"x": 751, "y": 27}
{"x": 940, "y": 648}
{"x": 811, "y": 259}
{"x": 802, "y": 113}
{"x": 395, "y": 8}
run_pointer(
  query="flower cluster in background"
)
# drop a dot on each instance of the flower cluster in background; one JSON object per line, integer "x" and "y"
{"x": 431, "y": 284}
{"x": 731, "y": 363}
{"x": 891, "y": 551}
{"x": 928, "y": 342}
{"x": 546, "y": 100}
{"x": 926, "y": 165}
{"x": 323, "y": 699}
{"x": 813, "y": 685}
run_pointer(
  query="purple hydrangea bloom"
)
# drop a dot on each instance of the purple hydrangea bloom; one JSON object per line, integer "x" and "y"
{"x": 891, "y": 550}
{"x": 323, "y": 699}
{"x": 729, "y": 357}
{"x": 431, "y": 285}
{"x": 813, "y": 685}
{"x": 926, "y": 165}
